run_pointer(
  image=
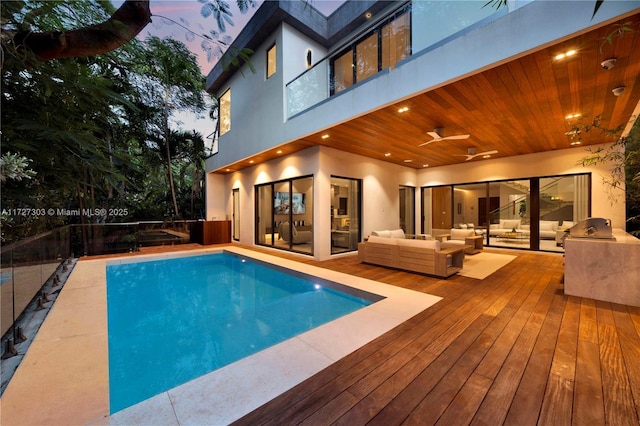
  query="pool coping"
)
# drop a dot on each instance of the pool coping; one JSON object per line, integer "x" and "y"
{"x": 63, "y": 378}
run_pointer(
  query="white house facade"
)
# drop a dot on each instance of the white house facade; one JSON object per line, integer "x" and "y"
{"x": 336, "y": 131}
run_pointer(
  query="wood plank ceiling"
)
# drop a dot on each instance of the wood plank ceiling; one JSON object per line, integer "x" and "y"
{"x": 520, "y": 107}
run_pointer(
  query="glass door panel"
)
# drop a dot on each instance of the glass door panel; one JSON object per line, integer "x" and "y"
{"x": 236, "y": 214}
{"x": 510, "y": 214}
{"x": 564, "y": 201}
{"x": 346, "y": 202}
{"x": 407, "y": 209}
{"x": 396, "y": 40}
{"x": 442, "y": 216}
{"x": 367, "y": 57}
{"x": 470, "y": 207}
{"x": 302, "y": 215}
{"x": 264, "y": 215}
{"x": 343, "y": 72}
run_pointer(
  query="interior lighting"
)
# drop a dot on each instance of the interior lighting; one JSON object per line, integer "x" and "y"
{"x": 403, "y": 109}
{"x": 368, "y": 15}
{"x": 325, "y": 136}
{"x": 425, "y": 165}
{"x": 408, "y": 161}
{"x": 279, "y": 151}
{"x": 387, "y": 154}
{"x": 250, "y": 161}
{"x": 227, "y": 170}
{"x": 486, "y": 156}
{"x": 575, "y": 143}
{"x": 575, "y": 115}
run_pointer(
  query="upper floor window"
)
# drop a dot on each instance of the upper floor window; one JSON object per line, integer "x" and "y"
{"x": 271, "y": 61}
{"x": 381, "y": 48}
{"x": 225, "y": 112}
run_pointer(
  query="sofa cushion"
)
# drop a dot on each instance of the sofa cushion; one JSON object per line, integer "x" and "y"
{"x": 430, "y": 244}
{"x": 548, "y": 225}
{"x": 462, "y": 226}
{"x": 461, "y": 234}
{"x": 566, "y": 224}
{"x": 510, "y": 223}
{"x": 382, "y": 240}
{"x": 385, "y": 234}
{"x": 396, "y": 233}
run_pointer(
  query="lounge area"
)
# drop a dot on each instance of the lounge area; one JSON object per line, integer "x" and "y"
{"x": 423, "y": 256}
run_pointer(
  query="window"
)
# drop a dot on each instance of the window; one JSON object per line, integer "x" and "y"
{"x": 225, "y": 112}
{"x": 367, "y": 57}
{"x": 396, "y": 40}
{"x": 343, "y": 72}
{"x": 271, "y": 61}
{"x": 382, "y": 48}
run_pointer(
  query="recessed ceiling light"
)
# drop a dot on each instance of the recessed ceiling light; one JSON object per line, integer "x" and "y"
{"x": 250, "y": 161}
{"x": 387, "y": 154}
{"x": 403, "y": 109}
{"x": 566, "y": 54}
{"x": 574, "y": 143}
{"x": 408, "y": 161}
{"x": 325, "y": 136}
{"x": 575, "y": 115}
{"x": 227, "y": 170}
{"x": 279, "y": 151}
{"x": 486, "y": 156}
{"x": 425, "y": 165}
{"x": 368, "y": 15}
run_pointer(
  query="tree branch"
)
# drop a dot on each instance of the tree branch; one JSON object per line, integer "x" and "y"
{"x": 123, "y": 26}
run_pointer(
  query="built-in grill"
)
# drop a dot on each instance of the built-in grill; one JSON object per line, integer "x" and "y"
{"x": 593, "y": 227}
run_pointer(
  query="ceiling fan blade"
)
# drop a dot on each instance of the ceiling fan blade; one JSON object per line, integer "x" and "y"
{"x": 456, "y": 137}
{"x": 434, "y": 135}
{"x": 488, "y": 152}
{"x": 428, "y": 142}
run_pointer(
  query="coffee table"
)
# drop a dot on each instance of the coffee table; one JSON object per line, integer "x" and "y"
{"x": 513, "y": 237}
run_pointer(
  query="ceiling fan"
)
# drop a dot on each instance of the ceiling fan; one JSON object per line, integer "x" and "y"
{"x": 471, "y": 154}
{"x": 437, "y": 136}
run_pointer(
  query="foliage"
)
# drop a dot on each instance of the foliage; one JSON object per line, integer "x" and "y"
{"x": 624, "y": 158}
{"x": 15, "y": 167}
{"x": 94, "y": 129}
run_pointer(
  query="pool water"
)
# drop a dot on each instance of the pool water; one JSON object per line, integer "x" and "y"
{"x": 173, "y": 320}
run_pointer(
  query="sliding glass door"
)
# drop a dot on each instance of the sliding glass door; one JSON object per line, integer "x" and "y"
{"x": 530, "y": 213}
{"x": 346, "y": 202}
{"x": 284, "y": 214}
{"x": 407, "y": 195}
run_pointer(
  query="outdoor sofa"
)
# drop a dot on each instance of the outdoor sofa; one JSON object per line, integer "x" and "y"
{"x": 462, "y": 237}
{"x": 423, "y": 256}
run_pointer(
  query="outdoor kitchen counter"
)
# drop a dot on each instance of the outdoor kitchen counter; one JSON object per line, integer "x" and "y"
{"x": 603, "y": 269}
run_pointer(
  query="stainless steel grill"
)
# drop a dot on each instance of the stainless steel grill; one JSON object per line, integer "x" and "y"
{"x": 593, "y": 227}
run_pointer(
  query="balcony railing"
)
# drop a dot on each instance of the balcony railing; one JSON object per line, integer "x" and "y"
{"x": 432, "y": 23}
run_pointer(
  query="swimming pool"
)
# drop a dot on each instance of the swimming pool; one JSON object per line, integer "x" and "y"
{"x": 173, "y": 320}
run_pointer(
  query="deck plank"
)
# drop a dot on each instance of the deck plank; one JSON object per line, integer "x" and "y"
{"x": 510, "y": 349}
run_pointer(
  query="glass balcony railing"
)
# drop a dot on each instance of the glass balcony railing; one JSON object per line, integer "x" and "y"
{"x": 425, "y": 23}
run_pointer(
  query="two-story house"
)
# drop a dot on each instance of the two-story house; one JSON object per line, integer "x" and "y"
{"x": 421, "y": 115}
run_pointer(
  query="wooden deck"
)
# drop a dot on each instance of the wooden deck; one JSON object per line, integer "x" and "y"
{"x": 510, "y": 349}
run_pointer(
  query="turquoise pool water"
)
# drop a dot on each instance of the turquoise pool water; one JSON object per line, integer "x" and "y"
{"x": 173, "y": 320}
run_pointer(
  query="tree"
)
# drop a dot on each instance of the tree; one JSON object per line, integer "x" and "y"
{"x": 20, "y": 39}
{"x": 173, "y": 80}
